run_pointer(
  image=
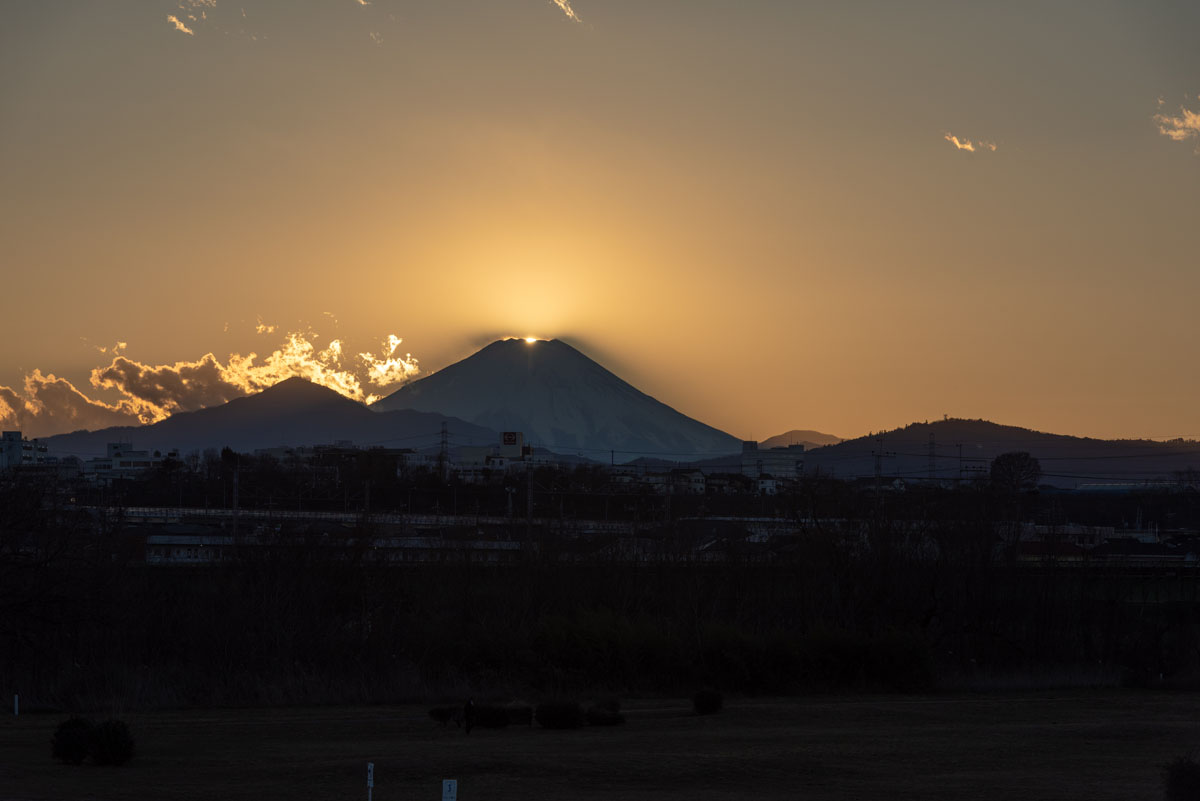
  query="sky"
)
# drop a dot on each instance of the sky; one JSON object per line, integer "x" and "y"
{"x": 770, "y": 215}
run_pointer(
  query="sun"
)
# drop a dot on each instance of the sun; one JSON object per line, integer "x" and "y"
{"x": 530, "y": 340}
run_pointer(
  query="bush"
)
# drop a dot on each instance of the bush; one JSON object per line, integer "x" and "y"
{"x": 559, "y": 715}
{"x": 1181, "y": 779}
{"x": 445, "y": 714}
{"x": 71, "y": 740}
{"x": 112, "y": 744}
{"x": 707, "y": 701}
{"x": 520, "y": 714}
{"x": 612, "y": 704}
{"x": 600, "y": 716}
{"x": 490, "y": 716}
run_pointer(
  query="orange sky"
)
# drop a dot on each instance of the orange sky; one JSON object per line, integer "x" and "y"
{"x": 764, "y": 214}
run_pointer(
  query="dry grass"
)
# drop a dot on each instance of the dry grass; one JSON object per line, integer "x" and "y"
{"x": 1076, "y": 745}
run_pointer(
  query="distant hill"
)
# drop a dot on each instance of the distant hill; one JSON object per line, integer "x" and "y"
{"x": 293, "y": 412}
{"x": 809, "y": 439}
{"x": 562, "y": 401}
{"x": 966, "y": 447}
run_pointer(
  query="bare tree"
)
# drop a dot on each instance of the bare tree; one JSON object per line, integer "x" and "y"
{"x": 1015, "y": 471}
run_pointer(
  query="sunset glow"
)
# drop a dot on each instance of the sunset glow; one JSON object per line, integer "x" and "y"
{"x": 887, "y": 213}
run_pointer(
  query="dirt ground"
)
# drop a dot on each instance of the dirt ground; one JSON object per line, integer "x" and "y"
{"x": 1071, "y": 745}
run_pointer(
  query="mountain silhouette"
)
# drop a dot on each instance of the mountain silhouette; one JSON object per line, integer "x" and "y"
{"x": 809, "y": 439}
{"x": 561, "y": 400}
{"x": 294, "y": 412}
{"x": 965, "y": 448}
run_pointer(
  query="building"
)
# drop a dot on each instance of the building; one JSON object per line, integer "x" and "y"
{"x": 16, "y": 451}
{"x": 785, "y": 462}
{"x": 122, "y": 461}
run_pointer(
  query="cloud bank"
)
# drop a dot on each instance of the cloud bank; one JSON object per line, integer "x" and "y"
{"x": 146, "y": 393}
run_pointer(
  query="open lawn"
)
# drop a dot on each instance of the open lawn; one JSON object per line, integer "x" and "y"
{"x": 1085, "y": 745}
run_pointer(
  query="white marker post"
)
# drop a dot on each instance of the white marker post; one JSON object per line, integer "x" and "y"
{"x": 449, "y": 789}
{"x": 370, "y": 779}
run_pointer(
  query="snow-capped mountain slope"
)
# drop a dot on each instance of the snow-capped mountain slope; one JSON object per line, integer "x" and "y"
{"x": 561, "y": 400}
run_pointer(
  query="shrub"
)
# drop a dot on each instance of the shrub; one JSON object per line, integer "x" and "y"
{"x": 490, "y": 716}
{"x": 559, "y": 715}
{"x": 1181, "y": 779}
{"x": 612, "y": 704}
{"x": 71, "y": 740}
{"x": 520, "y": 714}
{"x": 112, "y": 744}
{"x": 707, "y": 701}
{"x": 600, "y": 716}
{"x": 445, "y": 714}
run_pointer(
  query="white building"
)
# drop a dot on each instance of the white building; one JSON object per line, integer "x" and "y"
{"x": 122, "y": 461}
{"x": 16, "y": 451}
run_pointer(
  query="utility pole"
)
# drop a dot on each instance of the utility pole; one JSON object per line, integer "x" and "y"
{"x": 932, "y": 456}
{"x": 236, "y": 471}
{"x": 528, "y": 501}
{"x": 443, "y": 453}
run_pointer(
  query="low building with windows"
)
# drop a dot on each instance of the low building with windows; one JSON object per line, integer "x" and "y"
{"x": 17, "y": 451}
{"x": 122, "y": 461}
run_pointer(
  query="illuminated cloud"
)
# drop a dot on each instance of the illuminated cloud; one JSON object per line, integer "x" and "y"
{"x": 565, "y": 6}
{"x": 968, "y": 145}
{"x": 376, "y": 37}
{"x": 1181, "y": 127}
{"x": 264, "y": 328}
{"x": 179, "y": 26}
{"x": 52, "y": 405}
{"x": 149, "y": 393}
{"x": 389, "y": 368}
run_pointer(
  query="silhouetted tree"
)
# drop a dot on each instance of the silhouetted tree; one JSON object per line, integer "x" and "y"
{"x": 1015, "y": 471}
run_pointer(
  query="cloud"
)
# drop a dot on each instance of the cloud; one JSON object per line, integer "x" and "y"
{"x": 147, "y": 393}
{"x": 264, "y": 328}
{"x": 1181, "y": 127}
{"x": 968, "y": 145}
{"x": 179, "y": 26}
{"x": 565, "y": 6}
{"x": 52, "y": 405}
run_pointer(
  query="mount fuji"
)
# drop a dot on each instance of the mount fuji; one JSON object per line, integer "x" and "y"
{"x": 561, "y": 400}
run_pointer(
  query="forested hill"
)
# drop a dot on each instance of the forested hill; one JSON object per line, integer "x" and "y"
{"x": 965, "y": 448}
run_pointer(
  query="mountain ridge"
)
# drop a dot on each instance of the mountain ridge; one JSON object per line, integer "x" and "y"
{"x": 293, "y": 412}
{"x": 562, "y": 400}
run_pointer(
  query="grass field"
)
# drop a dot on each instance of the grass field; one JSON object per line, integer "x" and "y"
{"x": 1071, "y": 745}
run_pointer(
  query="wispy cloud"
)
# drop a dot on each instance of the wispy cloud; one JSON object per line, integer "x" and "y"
{"x": 179, "y": 26}
{"x": 565, "y": 7}
{"x": 968, "y": 145}
{"x": 1180, "y": 127}
{"x": 147, "y": 393}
